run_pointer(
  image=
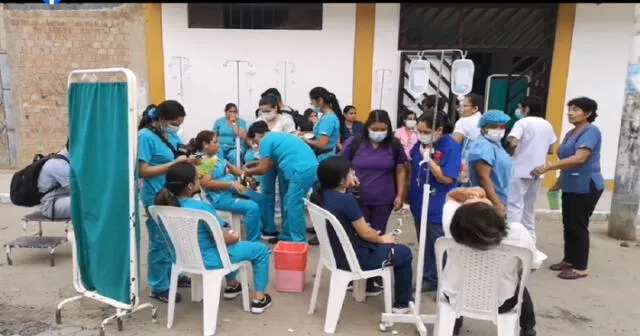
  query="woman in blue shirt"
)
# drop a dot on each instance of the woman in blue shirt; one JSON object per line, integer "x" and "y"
{"x": 219, "y": 179}
{"x": 228, "y": 129}
{"x": 440, "y": 153}
{"x": 352, "y": 126}
{"x": 581, "y": 183}
{"x": 372, "y": 248}
{"x": 489, "y": 163}
{"x": 296, "y": 165}
{"x": 181, "y": 185}
{"x": 330, "y": 127}
{"x": 158, "y": 145}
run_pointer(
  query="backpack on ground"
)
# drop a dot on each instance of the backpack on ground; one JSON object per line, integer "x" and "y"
{"x": 24, "y": 183}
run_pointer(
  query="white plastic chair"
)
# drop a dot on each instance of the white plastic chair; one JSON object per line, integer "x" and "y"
{"x": 339, "y": 278}
{"x": 182, "y": 227}
{"x": 235, "y": 220}
{"x": 479, "y": 295}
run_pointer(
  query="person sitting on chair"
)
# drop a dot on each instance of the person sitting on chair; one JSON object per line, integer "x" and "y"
{"x": 472, "y": 220}
{"x": 54, "y": 182}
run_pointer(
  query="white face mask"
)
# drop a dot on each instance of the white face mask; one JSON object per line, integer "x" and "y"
{"x": 426, "y": 139}
{"x": 495, "y": 135}
{"x": 410, "y": 123}
{"x": 268, "y": 116}
{"x": 377, "y": 137}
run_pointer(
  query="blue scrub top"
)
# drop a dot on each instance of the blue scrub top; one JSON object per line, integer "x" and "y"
{"x": 328, "y": 125}
{"x": 578, "y": 179}
{"x": 226, "y": 135}
{"x": 205, "y": 236}
{"x": 356, "y": 128}
{"x": 495, "y": 156}
{"x": 153, "y": 151}
{"x": 450, "y": 165}
{"x": 291, "y": 155}
{"x": 220, "y": 173}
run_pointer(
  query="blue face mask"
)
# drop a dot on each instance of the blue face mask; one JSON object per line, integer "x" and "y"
{"x": 377, "y": 137}
{"x": 518, "y": 113}
{"x": 316, "y": 109}
{"x": 171, "y": 129}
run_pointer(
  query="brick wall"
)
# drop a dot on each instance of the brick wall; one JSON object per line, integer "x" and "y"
{"x": 44, "y": 45}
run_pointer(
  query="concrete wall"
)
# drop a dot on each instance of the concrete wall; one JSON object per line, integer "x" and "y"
{"x": 44, "y": 45}
{"x": 321, "y": 58}
{"x": 597, "y": 69}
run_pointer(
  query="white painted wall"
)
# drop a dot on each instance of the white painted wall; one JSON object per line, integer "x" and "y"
{"x": 386, "y": 56}
{"x": 322, "y": 58}
{"x": 597, "y": 69}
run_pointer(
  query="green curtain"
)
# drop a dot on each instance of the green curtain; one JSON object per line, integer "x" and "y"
{"x": 498, "y": 93}
{"x": 101, "y": 185}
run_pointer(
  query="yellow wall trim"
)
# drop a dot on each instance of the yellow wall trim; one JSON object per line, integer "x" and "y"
{"x": 155, "y": 52}
{"x": 363, "y": 58}
{"x": 559, "y": 74}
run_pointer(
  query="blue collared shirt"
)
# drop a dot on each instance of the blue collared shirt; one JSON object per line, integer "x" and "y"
{"x": 578, "y": 179}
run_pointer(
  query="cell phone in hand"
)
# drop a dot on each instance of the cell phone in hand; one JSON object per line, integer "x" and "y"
{"x": 396, "y": 232}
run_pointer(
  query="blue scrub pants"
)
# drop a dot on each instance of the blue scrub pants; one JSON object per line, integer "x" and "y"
{"x": 255, "y": 252}
{"x": 249, "y": 209}
{"x": 159, "y": 256}
{"x": 293, "y": 218}
{"x": 268, "y": 188}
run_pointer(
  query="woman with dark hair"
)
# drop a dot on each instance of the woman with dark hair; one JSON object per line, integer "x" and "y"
{"x": 371, "y": 247}
{"x": 407, "y": 134}
{"x": 296, "y": 166}
{"x": 581, "y": 183}
{"x": 228, "y": 128}
{"x": 271, "y": 114}
{"x": 219, "y": 179}
{"x": 330, "y": 127}
{"x": 466, "y": 129}
{"x": 158, "y": 144}
{"x": 310, "y": 118}
{"x": 352, "y": 126}
{"x": 439, "y": 154}
{"x": 379, "y": 163}
{"x": 181, "y": 184}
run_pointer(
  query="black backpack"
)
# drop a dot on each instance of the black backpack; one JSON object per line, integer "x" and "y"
{"x": 24, "y": 184}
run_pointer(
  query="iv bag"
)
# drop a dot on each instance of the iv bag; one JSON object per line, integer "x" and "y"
{"x": 462, "y": 76}
{"x": 419, "y": 71}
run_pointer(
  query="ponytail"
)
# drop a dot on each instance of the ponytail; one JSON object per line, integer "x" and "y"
{"x": 148, "y": 116}
{"x": 166, "y": 198}
{"x": 335, "y": 106}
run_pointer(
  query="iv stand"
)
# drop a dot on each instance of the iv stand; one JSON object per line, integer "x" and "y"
{"x": 384, "y": 71}
{"x": 181, "y": 59}
{"x": 414, "y": 317}
{"x": 237, "y": 62}
{"x": 293, "y": 69}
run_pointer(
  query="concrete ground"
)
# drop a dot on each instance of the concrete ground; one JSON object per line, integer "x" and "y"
{"x": 605, "y": 303}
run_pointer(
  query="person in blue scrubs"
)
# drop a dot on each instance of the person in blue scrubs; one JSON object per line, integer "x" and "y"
{"x": 158, "y": 144}
{"x": 330, "y": 127}
{"x": 296, "y": 165}
{"x": 181, "y": 184}
{"x": 223, "y": 190}
{"x": 489, "y": 163}
{"x": 229, "y": 128}
{"x": 581, "y": 183}
{"x": 439, "y": 154}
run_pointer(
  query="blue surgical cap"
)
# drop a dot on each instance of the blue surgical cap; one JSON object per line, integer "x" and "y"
{"x": 493, "y": 117}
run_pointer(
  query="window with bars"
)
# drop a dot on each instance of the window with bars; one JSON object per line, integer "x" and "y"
{"x": 291, "y": 16}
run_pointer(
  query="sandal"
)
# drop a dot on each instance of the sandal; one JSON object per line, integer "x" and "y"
{"x": 561, "y": 266}
{"x": 570, "y": 274}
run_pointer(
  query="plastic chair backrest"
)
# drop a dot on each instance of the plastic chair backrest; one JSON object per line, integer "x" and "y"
{"x": 482, "y": 274}
{"x": 319, "y": 218}
{"x": 182, "y": 226}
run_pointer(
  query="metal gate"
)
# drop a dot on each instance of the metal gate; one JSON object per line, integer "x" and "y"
{"x": 515, "y": 40}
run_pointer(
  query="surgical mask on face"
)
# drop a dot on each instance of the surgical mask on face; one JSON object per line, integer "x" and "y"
{"x": 268, "y": 116}
{"x": 315, "y": 109}
{"x": 171, "y": 129}
{"x": 495, "y": 135}
{"x": 518, "y": 113}
{"x": 426, "y": 139}
{"x": 377, "y": 137}
{"x": 410, "y": 123}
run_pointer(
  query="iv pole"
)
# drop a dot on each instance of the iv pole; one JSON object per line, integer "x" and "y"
{"x": 237, "y": 62}
{"x": 181, "y": 61}
{"x": 384, "y": 71}
{"x": 287, "y": 65}
{"x": 414, "y": 317}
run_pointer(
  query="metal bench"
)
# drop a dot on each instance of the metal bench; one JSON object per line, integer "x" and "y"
{"x": 37, "y": 240}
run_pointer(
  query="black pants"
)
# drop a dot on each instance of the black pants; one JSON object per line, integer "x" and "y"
{"x": 527, "y": 314}
{"x": 576, "y": 211}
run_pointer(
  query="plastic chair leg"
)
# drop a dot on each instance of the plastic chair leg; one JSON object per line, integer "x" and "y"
{"x": 196, "y": 287}
{"x": 316, "y": 288}
{"x": 173, "y": 289}
{"x": 507, "y": 324}
{"x": 360, "y": 290}
{"x": 337, "y": 292}
{"x": 211, "y": 291}
{"x": 445, "y": 320}
{"x": 244, "y": 281}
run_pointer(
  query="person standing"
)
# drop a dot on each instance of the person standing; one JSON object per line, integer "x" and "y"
{"x": 581, "y": 183}
{"x": 352, "y": 126}
{"x": 407, "y": 134}
{"x": 330, "y": 127}
{"x": 229, "y": 128}
{"x": 530, "y": 140}
{"x": 466, "y": 129}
